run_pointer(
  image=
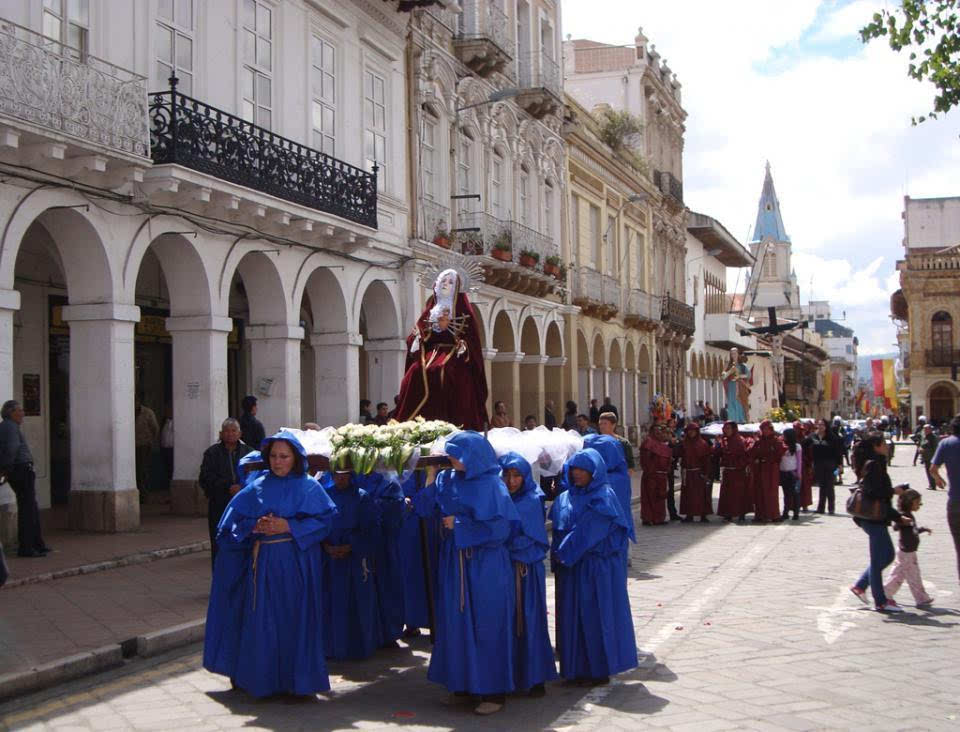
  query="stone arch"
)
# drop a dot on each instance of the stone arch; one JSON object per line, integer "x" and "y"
{"x": 942, "y": 337}
{"x": 530, "y": 338}
{"x": 329, "y": 361}
{"x": 584, "y": 369}
{"x": 532, "y": 369}
{"x": 553, "y": 370}
{"x": 504, "y": 370}
{"x": 499, "y": 310}
{"x": 629, "y": 407}
{"x": 383, "y": 352}
{"x": 598, "y": 387}
{"x": 941, "y": 400}
{"x": 554, "y": 340}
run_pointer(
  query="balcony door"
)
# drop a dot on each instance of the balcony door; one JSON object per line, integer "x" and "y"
{"x": 941, "y": 338}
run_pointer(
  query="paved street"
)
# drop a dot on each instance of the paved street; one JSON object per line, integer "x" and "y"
{"x": 742, "y": 627}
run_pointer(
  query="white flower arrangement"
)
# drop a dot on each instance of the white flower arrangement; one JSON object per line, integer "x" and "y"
{"x": 361, "y": 447}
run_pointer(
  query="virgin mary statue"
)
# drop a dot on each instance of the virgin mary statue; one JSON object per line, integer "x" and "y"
{"x": 736, "y": 378}
{"x": 445, "y": 377}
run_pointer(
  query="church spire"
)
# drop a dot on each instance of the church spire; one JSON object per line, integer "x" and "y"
{"x": 769, "y": 221}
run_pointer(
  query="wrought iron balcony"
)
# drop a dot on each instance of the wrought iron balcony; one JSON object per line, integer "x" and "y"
{"x": 523, "y": 238}
{"x": 641, "y": 308}
{"x": 60, "y": 89}
{"x": 484, "y": 40}
{"x": 939, "y": 358}
{"x": 435, "y": 223}
{"x": 678, "y": 314}
{"x": 668, "y": 184}
{"x": 539, "y": 78}
{"x": 491, "y": 233}
{"x": 194, "y": 134}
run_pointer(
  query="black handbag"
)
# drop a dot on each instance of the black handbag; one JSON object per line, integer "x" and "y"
{"x": 863, "y": 507}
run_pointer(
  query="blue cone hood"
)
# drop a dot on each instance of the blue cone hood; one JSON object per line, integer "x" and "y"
{"x": 294, "y": 443}
{"x": 515, "y": 461}
{"x": 590, "y": 460}
{"x": 476, "y": 454}
{"x": 478, "y": 489}
{"x": 610, "y": 450}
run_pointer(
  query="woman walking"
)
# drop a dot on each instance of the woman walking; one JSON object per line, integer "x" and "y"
{"x": 824, "y": 451}
{"x": 791, "y": 472}
{"x": 877, "y": 487}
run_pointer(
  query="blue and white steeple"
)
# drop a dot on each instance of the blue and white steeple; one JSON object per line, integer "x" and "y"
{"x": 769, "y": 221}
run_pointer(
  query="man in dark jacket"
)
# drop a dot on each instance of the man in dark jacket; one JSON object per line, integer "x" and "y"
{"x": 16, "y": 463}
{"x": 220, "y": 477}
{"x": 251, "y": 428}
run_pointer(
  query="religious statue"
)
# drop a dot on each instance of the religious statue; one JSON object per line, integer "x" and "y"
{"x": 736, "y": 379}
{"x": 445, "y": 378}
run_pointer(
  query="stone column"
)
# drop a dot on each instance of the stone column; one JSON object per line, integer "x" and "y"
{"x": 199, "y": 402}
{"x": 275, "y": 374}
{"x": 488, "y": 356}
{"x": 337, "y": 363}
{"x": 386, "y": 359}
{"x": 9, "y": 304}
{"x": 103, "y": 485}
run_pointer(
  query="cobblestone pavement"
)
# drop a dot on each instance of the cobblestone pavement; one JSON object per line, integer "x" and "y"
{"x": 742, "y": 627}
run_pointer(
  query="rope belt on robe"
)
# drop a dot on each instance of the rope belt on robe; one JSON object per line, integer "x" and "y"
{"x": 255, "y": 554}
{"x": 519, "y": 572}
{"x": 683, "y": 482}
{"x": 463, "y": 590}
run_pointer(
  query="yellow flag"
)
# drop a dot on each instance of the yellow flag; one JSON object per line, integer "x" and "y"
{"x": 889, "y": 383}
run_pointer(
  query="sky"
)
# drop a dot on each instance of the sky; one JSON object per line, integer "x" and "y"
{"x": 791, "y": 83}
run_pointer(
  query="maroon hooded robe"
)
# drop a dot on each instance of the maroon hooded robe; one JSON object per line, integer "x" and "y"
{"x": 766, "y": 453}
{"x": 696, "y": 466}
{"x": 736, "y": 497}
{"x": 656, "y": 459}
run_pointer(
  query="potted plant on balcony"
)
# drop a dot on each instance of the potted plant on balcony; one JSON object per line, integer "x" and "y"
{"x": 503, "y": 246}
{"x": 551, "y": 266}
{"x": 442, "y": 237}
{"x": 470, "y": 242}
{"x": 529, "y": 258}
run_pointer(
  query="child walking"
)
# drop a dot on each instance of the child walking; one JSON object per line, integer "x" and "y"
{"x": 907, "y": 569}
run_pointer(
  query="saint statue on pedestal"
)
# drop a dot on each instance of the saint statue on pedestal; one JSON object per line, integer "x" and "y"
{"x": 445, "y": 378}
{"x": 736, "y": 381}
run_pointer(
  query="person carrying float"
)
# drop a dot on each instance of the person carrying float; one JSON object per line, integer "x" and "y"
{"x": 265, "y": 617}
{"x": 533, "y": 659}
{"x": 351, "y": 628}
{"x": 595, "y": 637}
{"x": 617, "y": 476}
{"x": 475, "y": 605}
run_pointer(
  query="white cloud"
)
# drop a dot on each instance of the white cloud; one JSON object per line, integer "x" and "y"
{"x": 760, "y": 85}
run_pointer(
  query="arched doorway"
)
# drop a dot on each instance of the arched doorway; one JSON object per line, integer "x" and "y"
{"x": 335, "y": 352}
{"x": 505, "y": 368}
{"x": 531, "y": 371}
{"x": 584, "y": 369}
{"x": 553, "y": 371}
{"x": 598, "y": 387}
{"x": 383, "y": 353}
{"x": 942, "y": 402}
{"x": 644, "y": 377}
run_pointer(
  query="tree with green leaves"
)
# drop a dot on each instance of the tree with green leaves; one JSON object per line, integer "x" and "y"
{"x": 930, "y": 31}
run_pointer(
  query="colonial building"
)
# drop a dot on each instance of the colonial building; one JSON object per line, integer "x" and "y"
{"x": 927, "y": 306}
{"x": 610, "y": 203}
{"x": 711, "y": 249}
{"x": 487, "y": 173}
{"x": 841, "y": 346}
{"x": 636, "y": 80}
{"x": 198, "y": 201}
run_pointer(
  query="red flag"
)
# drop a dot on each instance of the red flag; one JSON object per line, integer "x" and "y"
{"x": 876, "y": 366}
{"x": 836, "y": 385}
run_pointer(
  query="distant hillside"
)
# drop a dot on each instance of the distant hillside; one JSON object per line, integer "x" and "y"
{"x": 863, "y": 362}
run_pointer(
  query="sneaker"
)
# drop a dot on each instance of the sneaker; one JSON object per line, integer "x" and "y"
{"x": 861, "y": 595}
{"x": 487, "y": 707}
{"x": 889, "y": 606}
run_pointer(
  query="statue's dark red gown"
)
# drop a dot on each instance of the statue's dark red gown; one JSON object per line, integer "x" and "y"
{"x": 441, "y": 383}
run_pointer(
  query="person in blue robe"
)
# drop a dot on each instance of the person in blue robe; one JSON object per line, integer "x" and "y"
{"x": 474, "y": 651}
{"x": 351, "y": 626}
{"x": 594, "y": 629}
{"x": 416, "y": 612}
{"x": 266, "y": 598}
{"x": 387, "y": 572}
{"x": 533, "y": 660}
{"x": 611, "y": 451}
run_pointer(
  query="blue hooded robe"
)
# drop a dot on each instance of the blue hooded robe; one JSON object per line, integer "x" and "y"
{"x": 351, "y": 626}
{"x": 594, "y": 625}
{"x": 475, "y": 606}
{"x": 266, "y": 598}
{"x": 416, "y": 614}
{"x": 533, "y": 659}
{"x": 618, "y": 476}
{"x": 387, "y": 571}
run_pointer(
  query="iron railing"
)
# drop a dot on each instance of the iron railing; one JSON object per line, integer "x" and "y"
{"x": 539, "y": 71}
{"x": 483, "y": 19}
{"x": 434, "y": 219}
{"x": 64, "y": 90}
{"x": 678, "y": 314}
{"x": 491, "y": 230}
{"x": 590, "y": 285}
{"x": 668, "y": 184}
{"x": 526, "y": 239}
{"x": 941, "y": 358}
{"x": 642, "y": 305}
{"x": 197, "y": 135}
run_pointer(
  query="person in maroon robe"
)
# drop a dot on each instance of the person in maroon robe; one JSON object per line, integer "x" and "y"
{"x": 656, "y": 458}
{"x": 445, "y": 377}
{"x": 736, "y": 498}
{"x": 696, "y": 466}
{"x": 765, "y": 453}
{"x": 803, "y": 430}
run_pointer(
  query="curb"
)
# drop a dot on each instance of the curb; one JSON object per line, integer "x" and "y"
{"x": 126, "y": 561}
{"x": 161, "y": 641}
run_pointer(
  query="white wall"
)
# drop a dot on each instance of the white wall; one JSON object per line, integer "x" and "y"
{"x": 931, "y": 222}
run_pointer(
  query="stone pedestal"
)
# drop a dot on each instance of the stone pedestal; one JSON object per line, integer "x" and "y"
{"x": 103, "y": 495}
{"x": 337, "y": 377}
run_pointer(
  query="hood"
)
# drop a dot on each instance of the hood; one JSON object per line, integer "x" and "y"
{"x": 590, "y": 460}
{"x": 691, "y": 427}
{"x": 289, "y": 437}
{"x": 736, "y": 427}
{"x": 609, "y": 449}
{"x": 769, "y": 424}
{"x": 516, "y": 461}
{"x": 475, "y": 452}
